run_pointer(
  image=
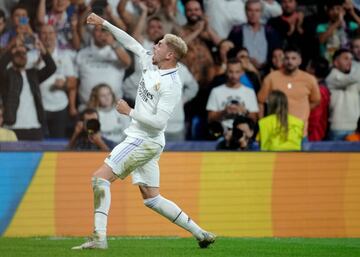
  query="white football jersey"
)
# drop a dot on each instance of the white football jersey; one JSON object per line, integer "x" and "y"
{"x": 158, "y": 89}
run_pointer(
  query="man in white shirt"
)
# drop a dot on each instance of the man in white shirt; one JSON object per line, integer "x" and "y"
{"x": 231, "y": 99}
{"x": 58, "y": 92}
{"x": 158, "y": 93}
{"x": 104, "y": 61}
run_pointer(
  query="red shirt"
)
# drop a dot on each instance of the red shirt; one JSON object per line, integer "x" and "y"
{"x": 318, "y": 119}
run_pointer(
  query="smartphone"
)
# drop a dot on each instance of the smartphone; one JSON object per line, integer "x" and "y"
{"x": 24, "y": 20}
{"x": 29, "y": 41}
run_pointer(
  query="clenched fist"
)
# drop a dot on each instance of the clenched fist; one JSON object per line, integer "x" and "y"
{"x": 94, "y": 19}
{"x": 123, "y": 107}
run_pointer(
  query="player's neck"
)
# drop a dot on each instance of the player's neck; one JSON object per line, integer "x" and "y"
{"x": 166, "y": 65}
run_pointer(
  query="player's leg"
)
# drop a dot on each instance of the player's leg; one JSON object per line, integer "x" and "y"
{"x": 147, "y": 177}
{"x": 117, "y": 164}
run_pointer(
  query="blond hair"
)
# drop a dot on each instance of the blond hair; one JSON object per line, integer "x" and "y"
{"x": 177, "y": 44}
{"x": 94, "y": 101}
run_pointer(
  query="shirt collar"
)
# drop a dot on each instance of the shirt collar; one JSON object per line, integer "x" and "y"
{"x": 168, "y": 71}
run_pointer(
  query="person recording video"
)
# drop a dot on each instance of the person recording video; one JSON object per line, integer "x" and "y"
{"x": 87, "y": 135}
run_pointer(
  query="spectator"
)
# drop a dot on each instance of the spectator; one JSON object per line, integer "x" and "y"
{"x": 290, "y": 25}
{"x": 221, "y": 58}
{"x": 300, "y": 87}
{"x": 280, "y": 131}
{"x": 112, "y": 123}
{"x": 240, "y": 136}
{"x": 249, "y": 76}
{"x": 151, "y": 8}
{"x": 276, "y": 61}
{"x": 198, "y": 35}
{"x": 231, "y": 99}
{"x": 64, "y": 21}
{"x": 104, "y": 61}
{"x": 58, "y": 92}
{"x": 223, "y": 15}
{"x": 259, "y": 39}
{"x": 24, "y": 112}
{"x": 87, "y": 135}
{"x": 200, "y": 38}
{"x": 319, "y": 116}
{"x": 355, "y": 49}
{"x": 344, "y": 84}
{"x": 6, "y": 135}
{"x": 354, "y": 137}
{"x": 335, "y": 33}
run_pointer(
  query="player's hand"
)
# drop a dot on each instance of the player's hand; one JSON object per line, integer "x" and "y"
{"x": 123, "y": 107}
{"x": 94, "y": 19}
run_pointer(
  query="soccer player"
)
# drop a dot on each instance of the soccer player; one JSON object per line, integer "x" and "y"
{"x": 158, "y": 93}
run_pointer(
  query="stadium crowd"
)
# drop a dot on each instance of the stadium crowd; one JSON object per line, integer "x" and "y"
{"x": 278, "y": 72}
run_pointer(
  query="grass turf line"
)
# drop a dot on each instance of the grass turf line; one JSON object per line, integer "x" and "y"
{"x": 183, "y": 247}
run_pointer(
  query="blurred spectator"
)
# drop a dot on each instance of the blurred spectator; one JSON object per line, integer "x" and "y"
{"x": 151, "y": 8}
{"x": 249, "y": 76}
{"x": 354, "y": 137}
{"x": 259, "y": 39}
{"x": 112, "y": 122}
{"x": 20, "y": 25}
{"x": 335, "y": 33}
{"x": 300, "y": 87}
{"x": 276, "y": 62}
{"x": 198, "y": 35}
{"x": 223, "y": 15}
{"x": 355, "y": 49}
{"x": 6, "y": 135}
{"x": 344, "y": 84}
{"x": 176, "y": 130}
{"x": 289, "y": 25}
{"x": 319, "y": 116}
{"x": 64, "y": 20}
{"x": 221, "y": 58}
{"x": 231, "y": 99}
{"x": 240, "y": 136}
{"x": 87, "y": 135}
{"x": 104, "y": 61}
{"x": 280, "y": 131}
{"x": 59, "y": 91}
{"x": 24, "y": 112}
{"x": 200, "y": 38}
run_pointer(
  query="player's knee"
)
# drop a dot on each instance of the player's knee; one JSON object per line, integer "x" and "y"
{"x": 151, "y": 202}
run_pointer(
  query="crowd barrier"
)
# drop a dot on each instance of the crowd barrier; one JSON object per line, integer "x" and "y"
{"x": 247, "y": 194}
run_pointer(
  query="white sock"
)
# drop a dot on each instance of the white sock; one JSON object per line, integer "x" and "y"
{"x": 172, "y": 212}
{"x": 102, "y": 199}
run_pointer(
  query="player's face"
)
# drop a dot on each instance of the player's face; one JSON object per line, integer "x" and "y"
{"x": 292, "y": 61}
{"x": 234, "y": 71}
{"x": 161, "y": 52}
{"x": 105, "y": 97}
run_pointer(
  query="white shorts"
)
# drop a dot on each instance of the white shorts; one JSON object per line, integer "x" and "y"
{"x": 138, "y": 157}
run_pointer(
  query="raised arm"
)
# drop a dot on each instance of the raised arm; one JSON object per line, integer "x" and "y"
{"x": 121, "y": 36}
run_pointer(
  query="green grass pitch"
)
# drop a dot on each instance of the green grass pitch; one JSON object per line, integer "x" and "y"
{"x": 186, "y": 247}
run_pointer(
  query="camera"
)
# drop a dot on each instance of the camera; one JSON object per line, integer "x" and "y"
{"x": 92, "y": 126}
{"x": 29, "y": 41}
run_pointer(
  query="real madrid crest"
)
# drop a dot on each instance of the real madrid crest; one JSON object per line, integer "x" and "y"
{"x": 157, "y": 86}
